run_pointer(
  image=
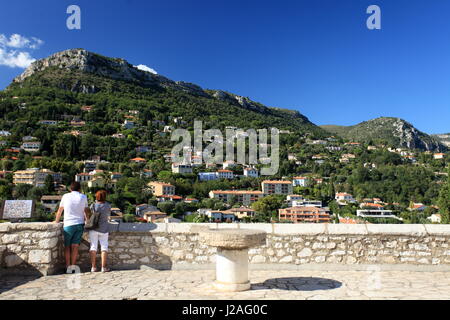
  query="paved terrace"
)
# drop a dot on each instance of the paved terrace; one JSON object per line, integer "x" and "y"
{"x": 170, "y": 261}
{"x": 367, "y": 283}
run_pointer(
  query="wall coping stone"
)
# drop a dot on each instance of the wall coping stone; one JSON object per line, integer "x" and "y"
{"x": 416, "y": 230}
{"x": 33, "y": 226}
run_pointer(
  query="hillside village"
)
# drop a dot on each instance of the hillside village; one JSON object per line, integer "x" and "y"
{"x": 100, "y": 121}
{"x": 146, "y": 188}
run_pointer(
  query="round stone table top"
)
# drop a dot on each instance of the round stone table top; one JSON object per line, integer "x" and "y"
{"x": 233, "y": 238}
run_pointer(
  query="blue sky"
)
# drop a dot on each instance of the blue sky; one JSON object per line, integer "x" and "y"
{"x": 315, "y": 56}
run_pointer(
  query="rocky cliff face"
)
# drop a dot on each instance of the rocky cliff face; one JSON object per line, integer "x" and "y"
{"x": 398, "y": 132}
{"x": 83, "y": 62}
{"x": 408, "y": 136}
{"x": 443, "y": 138}
{"x": 117, "y": 69}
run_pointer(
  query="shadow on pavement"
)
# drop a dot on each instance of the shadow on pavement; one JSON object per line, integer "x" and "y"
{"x": 298, "y": 284}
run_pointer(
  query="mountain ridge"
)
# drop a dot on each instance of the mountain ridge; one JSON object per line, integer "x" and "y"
{"x": 119, "y": 69}
{"x": 393, "y": 130}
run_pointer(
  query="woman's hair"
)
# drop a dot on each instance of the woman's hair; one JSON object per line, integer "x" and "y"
{"x": 100, "y": 196}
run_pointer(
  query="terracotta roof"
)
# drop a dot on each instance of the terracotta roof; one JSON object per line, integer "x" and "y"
{"x": 375, "y": 205}
{"x": 277, "y": 182}
{"x": 241, "y": 209}
{"x": 237, "y": 192}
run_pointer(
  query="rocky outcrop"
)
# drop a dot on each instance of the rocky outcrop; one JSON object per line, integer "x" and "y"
{"x": 394, "y": 131}
{"x": 117, "y": 69}
{"x": 244, "y": 102}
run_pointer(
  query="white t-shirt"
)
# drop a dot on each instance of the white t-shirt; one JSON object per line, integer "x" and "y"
{"x": 74, "y": 204}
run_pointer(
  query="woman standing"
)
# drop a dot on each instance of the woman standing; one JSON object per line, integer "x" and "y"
{"x": 101, "y": 233}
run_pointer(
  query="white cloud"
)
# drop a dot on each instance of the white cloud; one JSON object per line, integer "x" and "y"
{"x": 13, "y": 58}
{"x": 143, "y": 67}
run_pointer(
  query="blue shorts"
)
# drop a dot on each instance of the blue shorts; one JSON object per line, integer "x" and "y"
{"x": 73, "y": 234}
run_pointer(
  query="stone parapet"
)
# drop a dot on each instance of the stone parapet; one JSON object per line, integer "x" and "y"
{"x": 38, "y": 246}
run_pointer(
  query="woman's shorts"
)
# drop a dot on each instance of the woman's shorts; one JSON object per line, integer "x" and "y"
{"x": 96, "y": 237}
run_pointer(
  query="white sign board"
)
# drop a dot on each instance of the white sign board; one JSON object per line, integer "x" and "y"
{"x": 18, "y": 209}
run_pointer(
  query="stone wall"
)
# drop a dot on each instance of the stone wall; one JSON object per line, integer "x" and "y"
{"x": 30, "y": 248}
{"x": 164, "y": 246}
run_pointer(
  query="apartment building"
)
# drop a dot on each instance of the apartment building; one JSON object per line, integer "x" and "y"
{"x": 277, "y": 187}
{"x": 245, "y": 197}
{"x": 304, "y": 214}
{"x": 35, "y": 177}
{"x": 161, "y": 189}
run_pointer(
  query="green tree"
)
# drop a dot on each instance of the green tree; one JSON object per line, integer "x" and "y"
{"x": 444, "y": 202}
{"x": 49, "y": 184}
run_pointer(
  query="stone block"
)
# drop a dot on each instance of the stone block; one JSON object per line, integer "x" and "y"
{"x": 40, "y": 256}
{"x": 258, "y": 259}
{"x": 306, "y": 252}
{"x": 287, "y": 259}
{"x": 10, "y": 238}
{"x": 48, "y": 243}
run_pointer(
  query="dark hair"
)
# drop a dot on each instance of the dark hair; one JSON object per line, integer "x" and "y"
{"x": 75, "y": 186}
{"x": 100, "y": 196}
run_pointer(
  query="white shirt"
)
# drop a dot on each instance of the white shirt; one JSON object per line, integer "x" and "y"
{"x": 74, "y": 204}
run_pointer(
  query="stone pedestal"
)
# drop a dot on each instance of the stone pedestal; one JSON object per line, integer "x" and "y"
{"x": 232, "y": 256}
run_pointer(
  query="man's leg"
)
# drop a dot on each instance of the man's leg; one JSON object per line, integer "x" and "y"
{"x": 68, "y": 233}
{"x": 75, "y": 242}
{"x": 74, "y": 255}
{"x": 67, "y": 256}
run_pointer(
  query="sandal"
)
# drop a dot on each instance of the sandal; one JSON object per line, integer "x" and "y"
{"x": 93, "y": 269}
{"x": 106, "y": 269}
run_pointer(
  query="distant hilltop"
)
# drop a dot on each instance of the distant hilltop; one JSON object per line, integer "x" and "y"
{"x": 395, "y": 131}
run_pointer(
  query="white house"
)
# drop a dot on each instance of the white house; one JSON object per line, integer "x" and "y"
{"x": 293, "y": 197}
{"x": 207, "y": 176}
{"x": 300, "y": 181}
{"x": 225, "y": 174}
{"x": 128, "y": 124}
{"x": 307, "y": 203}
{"x": 83, "y": 177}
{"x": 48, "y": 122}
{"x": 373, "y": 213}
{"x": 343, "y": 198}
{"x": 31, "y": 146}
{"x": 251, "y": 172}
{"x": 181, "y": 168}
{"x": 229, "y": 164}
{"x": 435, "y": 218}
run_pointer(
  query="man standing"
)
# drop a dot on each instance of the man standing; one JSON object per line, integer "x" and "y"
{"x": 76, "y": 211}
